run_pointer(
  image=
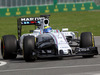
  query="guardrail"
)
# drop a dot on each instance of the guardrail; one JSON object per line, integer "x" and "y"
{"x": 53, "y": 8}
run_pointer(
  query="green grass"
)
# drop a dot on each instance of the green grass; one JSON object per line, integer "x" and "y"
{"x": 86, "y": 21}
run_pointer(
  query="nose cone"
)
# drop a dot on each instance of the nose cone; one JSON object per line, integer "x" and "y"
{"x": 65, "y": 48}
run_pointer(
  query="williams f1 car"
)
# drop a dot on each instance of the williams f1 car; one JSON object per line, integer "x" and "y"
{"x": 45, "y": 42}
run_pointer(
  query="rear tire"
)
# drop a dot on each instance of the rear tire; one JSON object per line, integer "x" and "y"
{"x": 87, "y": 40}
{"x": 28, "y": 48}
{"x": 9, "y": 47}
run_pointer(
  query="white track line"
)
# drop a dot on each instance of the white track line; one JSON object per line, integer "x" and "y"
{"x": 45, "y": 68}
{"x": 2, "y": 63}
{"x": 86, "y": 73}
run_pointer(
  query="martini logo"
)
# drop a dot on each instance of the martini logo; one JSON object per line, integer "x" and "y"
{"x": 27, "y": 19}
{"x": 31, "y": 19}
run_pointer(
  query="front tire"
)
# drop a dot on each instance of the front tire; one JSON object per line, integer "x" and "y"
{"x": 9, "y": 47}
{"x": 87, "y": 40}
{"x": 29, "y": 48}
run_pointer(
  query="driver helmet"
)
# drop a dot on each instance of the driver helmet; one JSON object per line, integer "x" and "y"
{"x": 47, "y": 29}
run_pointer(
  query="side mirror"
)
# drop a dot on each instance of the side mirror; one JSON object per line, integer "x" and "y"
{"x": 64, "y": 29}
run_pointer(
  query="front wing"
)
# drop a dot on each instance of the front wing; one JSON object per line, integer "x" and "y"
{"x": 77, "y": 52}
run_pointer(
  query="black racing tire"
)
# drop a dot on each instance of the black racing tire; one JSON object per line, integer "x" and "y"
{"x": 9, "y": 47}
{"x": 29, "y": 48}
{"x": 87, "y": 40}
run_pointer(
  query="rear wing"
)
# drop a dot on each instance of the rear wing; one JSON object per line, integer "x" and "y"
{"x": 26, "y": 21}
{"x": 36, "y": 21}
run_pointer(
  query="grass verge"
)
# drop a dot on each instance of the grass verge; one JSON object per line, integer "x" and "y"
{"x": 81, "y": 21}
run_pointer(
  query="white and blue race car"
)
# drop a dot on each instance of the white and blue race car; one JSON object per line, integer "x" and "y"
{"x": 45, "y": 42}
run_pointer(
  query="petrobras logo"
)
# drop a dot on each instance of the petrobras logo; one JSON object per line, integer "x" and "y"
{"x": 32, "y": 19}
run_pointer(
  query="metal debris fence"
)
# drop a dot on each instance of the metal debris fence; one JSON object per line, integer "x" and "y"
{"x": 19, "y": 3}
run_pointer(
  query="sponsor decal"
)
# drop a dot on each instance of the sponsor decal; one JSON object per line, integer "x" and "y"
{"x": 31, "y": 19}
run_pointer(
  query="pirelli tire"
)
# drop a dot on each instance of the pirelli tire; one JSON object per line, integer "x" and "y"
{"x": 9, "y": 47}
{"x": 29, "y": 52}
{"x": 87, "y": 40}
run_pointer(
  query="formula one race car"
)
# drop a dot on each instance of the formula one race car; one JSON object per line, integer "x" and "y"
{"x": 45, "y": 42}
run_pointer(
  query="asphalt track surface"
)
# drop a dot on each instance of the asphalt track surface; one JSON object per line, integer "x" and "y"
{"x": 67, "y": 66}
